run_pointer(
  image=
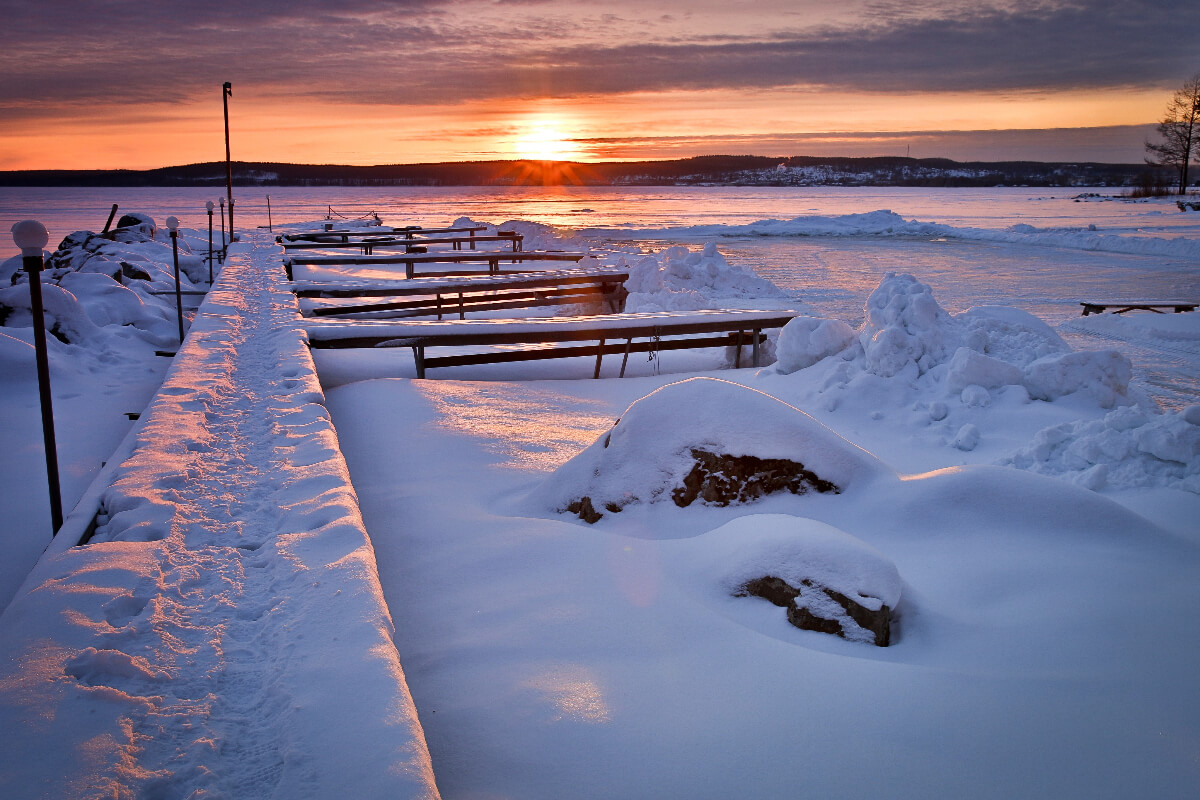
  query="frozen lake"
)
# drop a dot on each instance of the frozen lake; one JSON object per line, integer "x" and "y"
{"x": 1039, "y": 249}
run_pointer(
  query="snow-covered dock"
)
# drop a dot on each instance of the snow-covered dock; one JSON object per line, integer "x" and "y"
{"x": 224, "y": 632}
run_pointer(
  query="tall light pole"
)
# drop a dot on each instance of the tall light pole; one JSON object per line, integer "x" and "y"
{"x": 226, "y": 91}
{"x": 209, "y": 205}
{"x": 173, "y": 227}
{"x": 31, "y": 237}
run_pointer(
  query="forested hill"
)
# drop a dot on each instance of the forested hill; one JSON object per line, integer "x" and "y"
{"x": 731, "y": 170}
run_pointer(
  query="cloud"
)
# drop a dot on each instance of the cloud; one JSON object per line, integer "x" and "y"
{"x": 427, "y": 51}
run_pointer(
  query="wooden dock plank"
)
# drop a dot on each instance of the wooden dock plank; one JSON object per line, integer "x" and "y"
{"x": 692, "y": 326}
{"x": 1122, "y": 306}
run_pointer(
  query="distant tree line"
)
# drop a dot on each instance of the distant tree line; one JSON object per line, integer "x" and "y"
{"x": 717, "y": 169}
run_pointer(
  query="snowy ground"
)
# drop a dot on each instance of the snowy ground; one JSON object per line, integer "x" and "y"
{"x": 226, "y": 632}
{"x": 1040, "y": 650}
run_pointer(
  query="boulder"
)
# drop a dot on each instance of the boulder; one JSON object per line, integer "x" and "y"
{"x": 813, "y": 607}
{"x": 724, "y": 479}
{"x": 710, "y": 441}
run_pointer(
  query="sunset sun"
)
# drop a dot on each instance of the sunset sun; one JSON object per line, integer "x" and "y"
{"x": 545, "y": 141}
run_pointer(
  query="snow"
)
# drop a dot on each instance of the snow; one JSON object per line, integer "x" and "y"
{"x": 793, "y": 549}
{"x": 888, "y": 223}
{"x": 648, "y": 451}
{"x": 226, "y": 614}
{"x": 248, "y": 622}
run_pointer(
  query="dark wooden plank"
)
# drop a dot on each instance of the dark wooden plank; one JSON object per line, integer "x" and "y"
{"x": 453, "y": 257}
{"x": 572, "y": 351}
{"x": 342, "y": 234}
{"x": 474, "y": 282}
{"x": 478, "y": 302}
{"x": 1122, "y": 306}
{"x": 370, "y": 244}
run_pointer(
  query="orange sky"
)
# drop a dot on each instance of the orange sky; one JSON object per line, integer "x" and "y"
{"x": 486, "y": 79}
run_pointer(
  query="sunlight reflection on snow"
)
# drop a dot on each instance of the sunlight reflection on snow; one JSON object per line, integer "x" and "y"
{"x": 573, "y": 692}
{"x": 530, "y": 428}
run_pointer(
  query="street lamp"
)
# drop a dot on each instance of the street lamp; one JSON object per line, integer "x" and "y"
{"x": 31, "y": 237}
{"x": 226, "y": 91}
{"x": 173, "y": 227}
{"x": 209, "y": 206}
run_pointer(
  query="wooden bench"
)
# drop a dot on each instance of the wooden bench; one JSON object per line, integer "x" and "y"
{"x": 410, "y": 260}
{"x": 736, "y": 328}
{"x": 1121, "y": 306}
{"x": 472, "y": 293}
{"x": 410, "y": 245}
{"x": 343, "y": 235}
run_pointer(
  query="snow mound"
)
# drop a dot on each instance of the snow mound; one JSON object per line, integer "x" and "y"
{"x": 794, "y": 549}
{"x": 102, "y": 292}
{"x": 909, "y": 338}
{"x": 905, "y": 325}
{"x": 535, "y": 235}
{"x": 806, "y": 340}
{"x": 1009, "y": 334}
{"x": 679, "y": 279}
{"x": 1129, "y": 448}
{"x": 650, "y": 451}
{"x": 1102, "y": 376}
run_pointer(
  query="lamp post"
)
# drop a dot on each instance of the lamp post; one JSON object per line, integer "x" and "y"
{"x": 209, "y": 206}
{"x": 226, "y": 91}
{"x": 31, "y": 236}
{"x": 173, "y": 227}
{"x": 223, "y": 245}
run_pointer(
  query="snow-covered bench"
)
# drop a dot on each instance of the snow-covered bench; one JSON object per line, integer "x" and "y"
{"x": 344, "y": 234}
{"x": 410, "y": 244}
{"x": 471, "y": 293}
{"x": 1121, "y": 306}
{"x": 688, "y": 329}
{"x": 410, "y": 260}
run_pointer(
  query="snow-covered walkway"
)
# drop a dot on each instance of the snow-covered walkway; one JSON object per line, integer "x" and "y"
{"x": 224, "y": 633}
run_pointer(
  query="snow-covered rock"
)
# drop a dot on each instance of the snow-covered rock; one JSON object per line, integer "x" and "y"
{"x": 650, "y": 452}
{"x": 827, "y": 579}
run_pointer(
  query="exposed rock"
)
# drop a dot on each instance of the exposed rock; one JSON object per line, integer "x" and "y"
{"x": 813, "y": 607}
{"x": 134, "y": 273}
{"x": 723, "y": 479}
{"x": 586, "y": 511}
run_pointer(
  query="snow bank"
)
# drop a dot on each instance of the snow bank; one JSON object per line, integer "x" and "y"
{"x": 1130, "y": 447}
{"x": 679, "y": 279}
{"x": 224, "y": 633}
{"x": 908, "y": 336}
{"x": 888, "y": 223}
{"x": 649, "y": 451}
{"x": 103, "y": 295}
{"x": 962, "y": 379}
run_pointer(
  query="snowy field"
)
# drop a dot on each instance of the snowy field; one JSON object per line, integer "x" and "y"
{"x": 1019, "y": 484}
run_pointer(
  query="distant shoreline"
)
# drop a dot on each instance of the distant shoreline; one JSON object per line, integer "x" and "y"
{"x": 699, "y": 171}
